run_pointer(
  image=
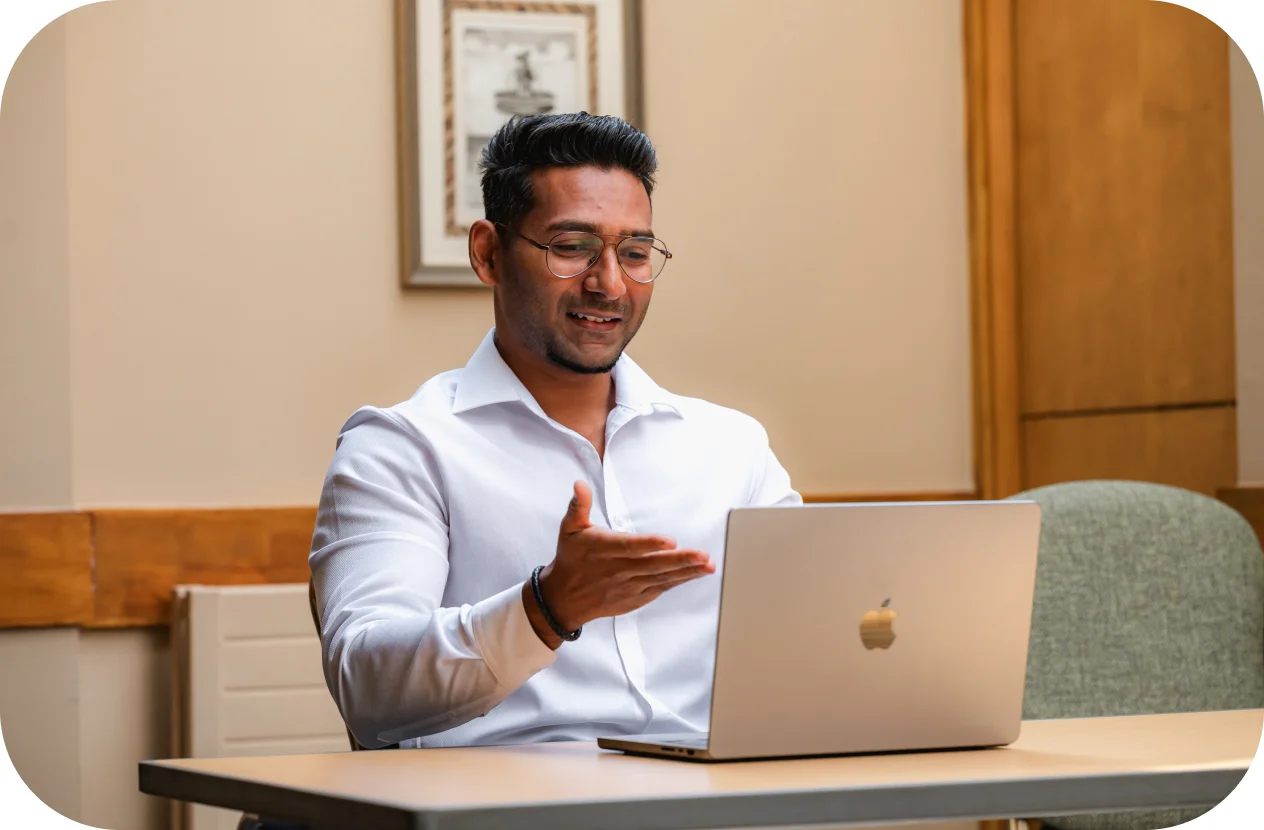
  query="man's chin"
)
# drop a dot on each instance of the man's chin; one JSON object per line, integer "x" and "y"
{"x": 584, "y": 365}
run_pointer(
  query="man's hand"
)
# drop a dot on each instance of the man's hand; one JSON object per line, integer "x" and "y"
{"x": 597, "y": 573}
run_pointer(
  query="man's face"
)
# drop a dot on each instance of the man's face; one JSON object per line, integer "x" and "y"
{"x": 544, "y": 310}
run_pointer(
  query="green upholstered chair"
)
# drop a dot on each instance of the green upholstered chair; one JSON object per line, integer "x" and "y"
{"x": 1149, "y": 599}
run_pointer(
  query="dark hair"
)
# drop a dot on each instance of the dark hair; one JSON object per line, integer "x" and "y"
{"x": 533, "y": 142}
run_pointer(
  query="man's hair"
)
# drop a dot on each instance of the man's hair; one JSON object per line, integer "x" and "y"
{"x": 534, "y": 142}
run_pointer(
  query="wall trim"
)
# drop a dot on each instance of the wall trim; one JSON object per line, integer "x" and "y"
{"x": 994, "y": 340}
{"x": 942, "y": 495}
{"x": 117, "y": 568}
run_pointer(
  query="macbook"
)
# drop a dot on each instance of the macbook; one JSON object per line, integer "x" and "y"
{"x": 865, "y": 628}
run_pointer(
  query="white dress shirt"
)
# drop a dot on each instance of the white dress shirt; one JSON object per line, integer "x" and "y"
{"x": 435, "y": 511}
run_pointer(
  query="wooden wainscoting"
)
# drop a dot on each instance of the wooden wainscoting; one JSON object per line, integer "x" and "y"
{"x": 1101, "y": 244}
{"x": 45, "y": 569}
{"x": 835, "y": 498}
{"x": 1249, "y": 501}
{"x": 117, "y": 568}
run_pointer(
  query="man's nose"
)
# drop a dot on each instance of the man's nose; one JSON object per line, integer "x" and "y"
{"x": 605, "y": 277}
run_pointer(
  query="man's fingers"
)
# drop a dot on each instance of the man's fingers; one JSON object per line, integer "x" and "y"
{"x": 667, "y": 562}
{"x": 576, "y": 518}
{"x": 627, "y": 544}
{"x": 661, "y": 583}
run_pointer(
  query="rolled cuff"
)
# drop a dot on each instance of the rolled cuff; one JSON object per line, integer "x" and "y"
{"x": 505, "y": 639}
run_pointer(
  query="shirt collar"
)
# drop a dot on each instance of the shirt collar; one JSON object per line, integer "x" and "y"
{"x": 487, "y": 380}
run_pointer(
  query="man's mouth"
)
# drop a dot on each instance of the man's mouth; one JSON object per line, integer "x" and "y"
{"x": 596, "y": 318}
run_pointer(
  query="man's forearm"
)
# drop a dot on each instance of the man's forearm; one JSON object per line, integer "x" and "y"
{"x": 401, "y": 678}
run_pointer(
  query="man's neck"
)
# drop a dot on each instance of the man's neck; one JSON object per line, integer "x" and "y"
{"x": 580, "y": 402}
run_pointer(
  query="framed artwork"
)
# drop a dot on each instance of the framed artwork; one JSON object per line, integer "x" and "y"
{"x": 464, "y": 68}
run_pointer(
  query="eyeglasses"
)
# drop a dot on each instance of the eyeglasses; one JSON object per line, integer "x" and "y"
{"x": 571, "y": 253}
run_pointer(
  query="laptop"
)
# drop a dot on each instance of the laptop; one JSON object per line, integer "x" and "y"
{"x": 866, "y": 628}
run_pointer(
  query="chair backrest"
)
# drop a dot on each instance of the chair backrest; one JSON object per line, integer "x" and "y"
{"x": 311, "y": 601}
{"x": 1148, "y": 599}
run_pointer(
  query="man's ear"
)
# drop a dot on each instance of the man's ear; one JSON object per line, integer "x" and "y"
{"x": 485, "y": 252}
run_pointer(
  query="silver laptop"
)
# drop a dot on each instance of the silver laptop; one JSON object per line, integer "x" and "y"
{"x": 864, "y": 628}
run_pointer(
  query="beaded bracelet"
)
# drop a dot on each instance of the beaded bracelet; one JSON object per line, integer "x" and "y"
{"x": 569, "y": 636}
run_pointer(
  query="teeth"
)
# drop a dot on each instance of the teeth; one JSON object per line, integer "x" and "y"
{"x": 594, "y": 319}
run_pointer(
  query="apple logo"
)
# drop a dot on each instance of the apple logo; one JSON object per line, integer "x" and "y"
{"x": 875, "y": 627}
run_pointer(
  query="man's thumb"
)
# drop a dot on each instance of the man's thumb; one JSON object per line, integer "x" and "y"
{"x": 576, "y": 518}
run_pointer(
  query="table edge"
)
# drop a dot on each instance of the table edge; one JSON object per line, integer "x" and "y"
{"x": 952, "y": 800}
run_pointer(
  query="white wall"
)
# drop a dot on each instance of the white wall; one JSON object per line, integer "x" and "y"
{"x": 1248, "y": 251}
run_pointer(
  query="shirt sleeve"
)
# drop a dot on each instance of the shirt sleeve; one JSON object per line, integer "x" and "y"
{"x": 771, "y": 486}
{"x": 398, "y": 665}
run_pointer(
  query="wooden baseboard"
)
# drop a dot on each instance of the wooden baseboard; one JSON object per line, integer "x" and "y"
{"x": 117, "y": 568}
{"x": 837, "y": 498}
{"x": 1249, "y": 501}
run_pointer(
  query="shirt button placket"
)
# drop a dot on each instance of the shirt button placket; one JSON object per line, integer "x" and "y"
{"x": 626, "y": 635}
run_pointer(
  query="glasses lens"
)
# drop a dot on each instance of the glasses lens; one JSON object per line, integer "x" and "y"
{"x": 572, "y": 252}
{"x": 642, "y": 257}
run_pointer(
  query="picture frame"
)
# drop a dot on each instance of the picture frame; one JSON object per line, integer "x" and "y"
{"x": 463, "y": 67}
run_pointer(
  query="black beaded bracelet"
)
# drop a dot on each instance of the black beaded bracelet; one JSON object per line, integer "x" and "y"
{"x": 569, "y": 636}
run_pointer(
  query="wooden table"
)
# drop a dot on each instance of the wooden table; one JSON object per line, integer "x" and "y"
{"x": 1055, "y": 767}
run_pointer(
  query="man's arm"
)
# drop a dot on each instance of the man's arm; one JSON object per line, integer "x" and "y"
{"x": 397, "y": 664}
{"x": 771, "y": 486}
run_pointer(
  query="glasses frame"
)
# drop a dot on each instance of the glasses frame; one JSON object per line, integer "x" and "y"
{"x": 604, "y": 243}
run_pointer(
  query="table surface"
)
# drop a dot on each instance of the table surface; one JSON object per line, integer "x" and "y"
{"x": 1055, "y": 767}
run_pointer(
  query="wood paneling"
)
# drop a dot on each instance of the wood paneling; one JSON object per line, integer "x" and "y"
{"x": 143, "y": 554}
{"x": 45, "y": 569}
{"x": 989, "y": 51}
{"x": 945, "y": 495}
{"x": 1125, "y": 250}
{"x": 1249, "y": 501}
{"x": 111, "y": 568}
{"x": 1191, "y": 448}
{"x": 117, "y": 568}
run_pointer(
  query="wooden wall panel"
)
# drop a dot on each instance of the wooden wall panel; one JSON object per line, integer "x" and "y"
{"x": 989, "y": 53}
{"x": 1124, "y": 231}
{"x": 1191, "y": 448}
{"x": 143, "y": 554}
{"x": 835, "y": 498}
{"x": 117, "y": 568}
{"x": 45, "y": 569}
{"x": 1249, "y": 501}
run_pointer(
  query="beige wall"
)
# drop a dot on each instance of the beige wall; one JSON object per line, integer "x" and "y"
{"x": 198, "y": 243}
{"x": 39, "y": 713}
{"x": 35, "y": 280}
{"x": 1248, "y": 244}
{"x": 234, "y": 292}
{"x": 813, "y": 188}
{"x": 232, "y": 283}
{"x": 79, "y": 709}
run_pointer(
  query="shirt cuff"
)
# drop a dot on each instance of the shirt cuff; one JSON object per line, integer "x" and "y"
{"x": 506, "y": 640}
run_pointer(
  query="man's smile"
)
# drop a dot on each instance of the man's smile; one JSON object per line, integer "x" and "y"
{"x": 592, "y": 321}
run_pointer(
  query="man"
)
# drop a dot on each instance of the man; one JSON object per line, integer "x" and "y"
{"x": 526, "y": 549}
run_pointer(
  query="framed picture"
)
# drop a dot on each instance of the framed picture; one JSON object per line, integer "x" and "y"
{"x": 464, "y": 68}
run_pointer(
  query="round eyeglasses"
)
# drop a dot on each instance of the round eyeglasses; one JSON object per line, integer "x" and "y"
{"x": 571, "y": 253}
